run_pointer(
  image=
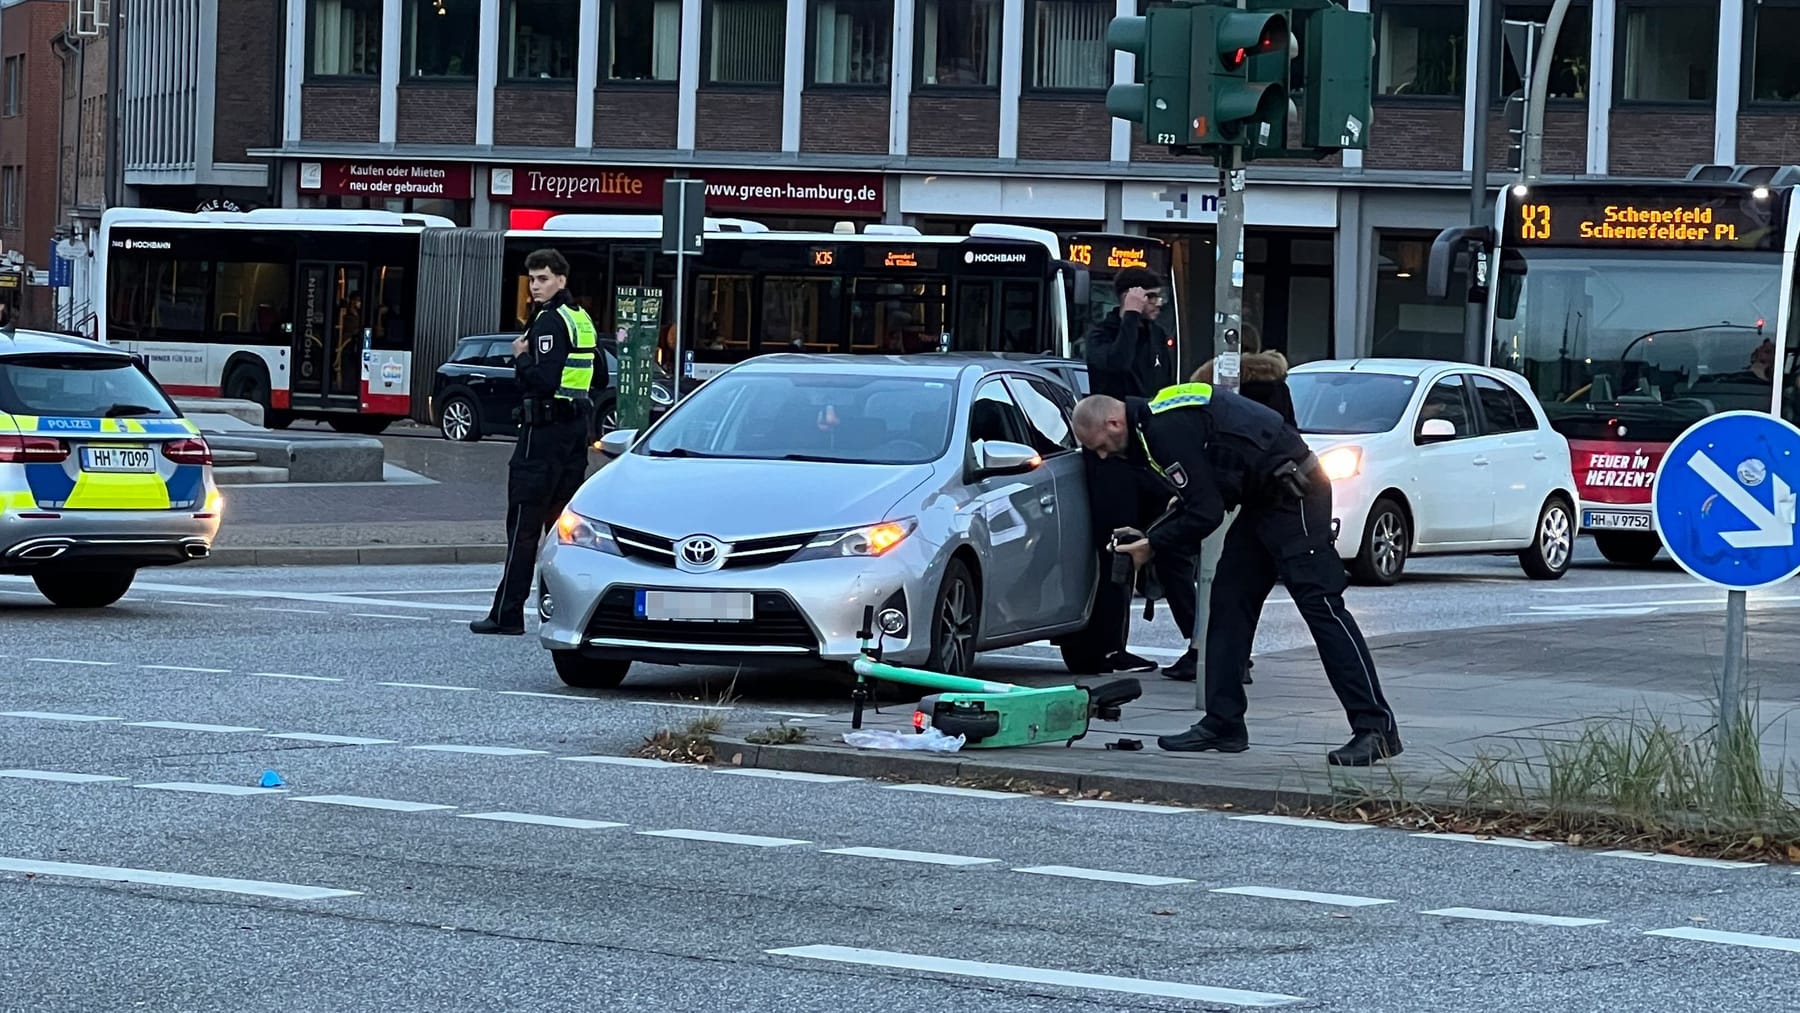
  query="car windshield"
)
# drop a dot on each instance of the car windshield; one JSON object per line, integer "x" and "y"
{"x": 806, "y": 415}
{"x": 80, "y": 386}
{"x": 1340, "y": 403}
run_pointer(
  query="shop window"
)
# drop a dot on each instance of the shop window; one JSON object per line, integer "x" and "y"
{"x": 1068, "y": 45}
{"x": 1569, "y": 68}
{"x": 438, "y": 38}
{"x": 1774, "y": 73}
{"x": 959, "y": 43}
{"x": 542, "y": 37}
{"x": 1408, "y": 323}
{"x": 1421, "y": 49}
{"x": 745, "y": 41}
{"x": 251, "y": 298}
{"x": 853, "y": 42}
{"x": 345, "y": 36}
{"x": 643, "y": 40}
{"x": 1668, "y": 53}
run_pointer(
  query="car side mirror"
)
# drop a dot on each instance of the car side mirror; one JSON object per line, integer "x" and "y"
{"x": 998, "y": 457}
{"x": 617, "y": 442}
{"x": 1436, "y": 431}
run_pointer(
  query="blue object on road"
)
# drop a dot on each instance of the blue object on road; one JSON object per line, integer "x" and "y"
{"x": 270, "y": 779}
{"x": 1723, "y": 501}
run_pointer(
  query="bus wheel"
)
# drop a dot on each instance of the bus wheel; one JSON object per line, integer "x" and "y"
{"x": 245, "y": 382}
{"x": 1630, "y": 548}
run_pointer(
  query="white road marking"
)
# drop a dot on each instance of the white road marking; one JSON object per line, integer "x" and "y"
{"x": 546, "y": 821}
{"x": 941, "y": 789}
{"x": 464, "y": 590}
{"x": 184, "y": 726}
{"x": 148, "y": 877}
{"x": 786, "y": 775}
{"x": 382, "y": 615}
{"x": 1483, "y": 914}
{"x": 360, "y": 802}
{"x": 71, "y": 661}
{"x": 678, "y": 706}
{"x": 481, "y": 750}
{"x": 303, "y": 678}
{"x": 341, "y": 740}
{"x": 195, "y": 604}
{"x": 629, "y": 761}
{"x": 58, "y": 775}
{"x": 427, "y": 685}
{"x": 1035, "y": 975}
{"x": 795, "y": 714}
{"x": 923, "y": 857}
{"x": 211, "y": 789}
{"x": 1131, "y": 807}
{"x": 1710, "y": 863}
{"x": 1502, "y": 842}
{"x": 1307, "y": 896}
{"x": 717, "y": 838}
{"x": 186, "y": 668}
{"x": 1102, "y": 875}
{"x": 549, "y": 696}
{"x": 302, "y": 612}
{"x": 1692, "y": 585}
{"x": 1297, "y": 821}
{"x": 53, "y": 716}
{"x": 1729, "y": 938}
{"x": 311, "y": 597}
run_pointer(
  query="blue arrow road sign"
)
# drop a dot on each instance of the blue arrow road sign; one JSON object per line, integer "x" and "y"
{"x": 1723, "y": 501}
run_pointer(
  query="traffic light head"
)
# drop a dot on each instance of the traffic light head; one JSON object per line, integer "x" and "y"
{"x": 1159, "y": 101}
{"x": 1237, "y": 95}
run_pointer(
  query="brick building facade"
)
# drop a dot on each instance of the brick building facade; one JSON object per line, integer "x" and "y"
{"x": 31, "y": 135}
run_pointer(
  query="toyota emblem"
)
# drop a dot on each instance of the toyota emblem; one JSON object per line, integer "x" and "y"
{"x": 699, "y": 552}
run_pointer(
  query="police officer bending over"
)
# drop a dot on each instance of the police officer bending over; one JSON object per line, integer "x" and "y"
{"x": 1217, "y": 450}
{"x": 557, "y": 366}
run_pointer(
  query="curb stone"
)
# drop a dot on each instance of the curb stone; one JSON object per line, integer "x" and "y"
{"x": 351, "y": 555}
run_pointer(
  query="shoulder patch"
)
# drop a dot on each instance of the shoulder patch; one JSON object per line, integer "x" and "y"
{"x": 545, "y": 343}
{"x": 1178, "y": 476}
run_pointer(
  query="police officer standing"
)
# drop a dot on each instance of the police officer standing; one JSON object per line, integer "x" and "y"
{"x": 1217, "y": 450}
{"x": 557, "y": 365}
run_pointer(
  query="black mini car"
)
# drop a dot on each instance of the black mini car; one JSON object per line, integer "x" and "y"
{"x": 474, "y": 394}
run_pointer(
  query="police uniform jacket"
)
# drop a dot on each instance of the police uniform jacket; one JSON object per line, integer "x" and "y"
{"x": 539, "y": 371}
{"x": 1215, "y": 450}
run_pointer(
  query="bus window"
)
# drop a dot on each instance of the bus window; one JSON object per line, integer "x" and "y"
{"x": 173, "y": 298}
{"x": 387, "y": 318}
{"x": 801, "y": 314}
{"x": 1021, "y": 318}
{"x": 721, "y": 315}
{"x": 896, "y": 317}
{"x": 252, "y": 298}
{"x": 974, "y": 328}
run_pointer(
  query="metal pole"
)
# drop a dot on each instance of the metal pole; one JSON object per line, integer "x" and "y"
{"x": 1731, "y": 689}
{"x": 680, "y": 321}
{"x": 1475, "y": 313}
{"x": 1531, "y": 160}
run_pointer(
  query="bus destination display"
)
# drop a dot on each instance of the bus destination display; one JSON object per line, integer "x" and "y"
{"x": 1626, "y": 220}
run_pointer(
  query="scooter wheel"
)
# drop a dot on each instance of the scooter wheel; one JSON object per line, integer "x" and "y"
{"x": 972, "y": 726}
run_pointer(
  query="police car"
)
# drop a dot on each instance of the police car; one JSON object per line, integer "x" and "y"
{"x": 100, "y": 474}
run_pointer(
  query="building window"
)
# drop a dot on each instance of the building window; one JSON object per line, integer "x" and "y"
{"x": 1569, "y": 71}
{"x": 15, "y": 80}
{"x": 959, "y": 43}
{"x": 1422, "y": 49}
{"x": 643, "y": 40}
{"x": 541, "y": 39}
{"x": 1774, "y": 73}
{"x": 1668, "y": 53}
{"x": 853, "y": 42}
{"x": 438, "y": 38}
{"x": 11, "y": 197}
{"x": 1068, "y": 45}
{"x": 745, "y": 41}
{"x": 1408, "y": 322}
{"x": 345, "y": 38}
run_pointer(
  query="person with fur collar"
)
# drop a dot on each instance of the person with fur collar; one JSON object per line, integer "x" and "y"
{"x": 1262, "y": 377}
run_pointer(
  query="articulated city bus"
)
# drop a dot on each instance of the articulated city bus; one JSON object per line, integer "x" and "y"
{"x": 1634, "y": 310}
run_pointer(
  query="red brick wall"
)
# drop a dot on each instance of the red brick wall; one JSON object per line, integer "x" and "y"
{"x": 955, "y": 126}
{"x": 84, "y": 130}
{"x": 1660, "y": 142}
{"x": 336, "y": 112}
{"x": 534, "y": 116}
{"x": 243, "y": 113}
{"x": 1565, "y": 139}
{"x": 28, "y": 141}
{"x": 636, "y": 117}
{"x": 738, "y": 121}
{"x": 1079, "y": 129}
{"x": 1409, "y": 135}
{"x": 1768, "y": 139}
{"x": 436, "y": 114}
{"x": 844, "y": 122}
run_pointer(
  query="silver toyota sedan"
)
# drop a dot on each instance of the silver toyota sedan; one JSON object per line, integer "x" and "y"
{"x": 754, "y": 522}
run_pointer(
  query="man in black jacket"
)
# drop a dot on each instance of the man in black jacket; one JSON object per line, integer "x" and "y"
{"x": 1130, "y": 355}
{"x": 1216, "y": 450}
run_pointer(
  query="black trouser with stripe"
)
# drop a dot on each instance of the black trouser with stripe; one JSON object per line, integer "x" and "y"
{"x": 1124, "y": 495}
{"x": 548, "y": 465}
{"x": 1287, "y": 540}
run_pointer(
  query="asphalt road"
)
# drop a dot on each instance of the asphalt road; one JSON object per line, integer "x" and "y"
{"x": 455, "y": 830}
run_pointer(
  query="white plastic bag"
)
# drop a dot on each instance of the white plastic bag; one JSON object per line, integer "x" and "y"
{"x": 931, "y": 740}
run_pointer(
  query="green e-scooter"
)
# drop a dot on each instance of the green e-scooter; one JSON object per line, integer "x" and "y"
{"x": 990, "y": 715}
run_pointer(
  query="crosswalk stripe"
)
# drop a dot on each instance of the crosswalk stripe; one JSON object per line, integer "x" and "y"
{"x": 149, "y": 877}
{"x": 1307, "y": 896}
{"x": 922, "y": 857}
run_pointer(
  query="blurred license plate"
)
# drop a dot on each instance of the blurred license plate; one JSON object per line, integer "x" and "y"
{"x": 704, "y": 606}
{"x": 117, "y": 459}
{"x": 1617, "y": 519}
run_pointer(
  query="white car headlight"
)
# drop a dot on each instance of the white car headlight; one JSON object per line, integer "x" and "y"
{"x": 585, "y": 532}
{"x": 868, "y": 540}
{"x": 1341, "y": 462}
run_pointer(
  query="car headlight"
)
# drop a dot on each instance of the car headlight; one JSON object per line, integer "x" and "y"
{"x": 868, "y": 540}
{"x": 662, "y": 395}
{"x": 585, "y": 532}
{"x": 1341, "y": 462}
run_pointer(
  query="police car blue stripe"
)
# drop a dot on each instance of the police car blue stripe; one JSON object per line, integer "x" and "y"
{"x": 152, "y": 427}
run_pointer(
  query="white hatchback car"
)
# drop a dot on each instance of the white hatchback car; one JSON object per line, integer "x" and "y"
{"x": 1430, "y": 457}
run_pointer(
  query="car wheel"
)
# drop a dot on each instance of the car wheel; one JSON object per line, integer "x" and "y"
{"x": 1627, "y": 547}
{"x": 83, "y": 589}
{"x": 1553, "y": 544}
{"x": 955, "y": 622}
{"x": 460, "y": 420}
{"x": 1386, "y": 542}
{"x": 582, "y": 672}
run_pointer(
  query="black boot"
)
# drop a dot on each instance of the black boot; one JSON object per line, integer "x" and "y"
{"x": 489, "y": 626}
{"x": 1185, "y": 668}
{"x": 1364, "y": 748}
{"x": 1200, "y": 739}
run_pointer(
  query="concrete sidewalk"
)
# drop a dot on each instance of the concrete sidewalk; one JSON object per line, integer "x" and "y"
{"x": 1458, "y": 696}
